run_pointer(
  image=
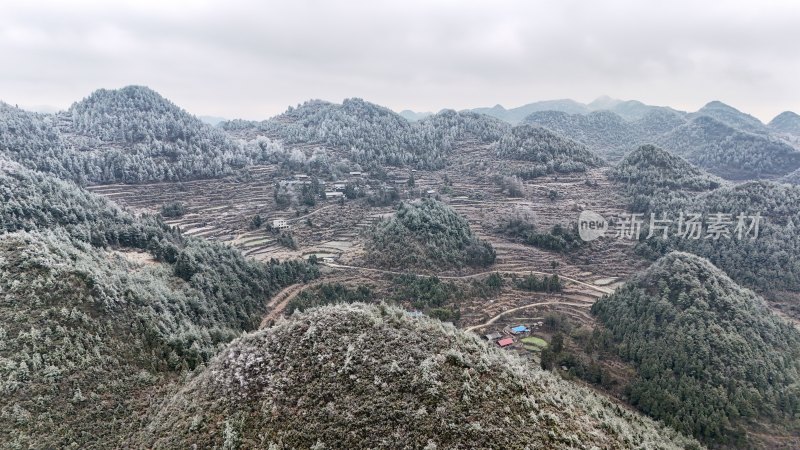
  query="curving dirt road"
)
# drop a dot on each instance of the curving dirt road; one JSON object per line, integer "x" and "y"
{"x": 600, "y": 289}
{"x": 532, "y": 305}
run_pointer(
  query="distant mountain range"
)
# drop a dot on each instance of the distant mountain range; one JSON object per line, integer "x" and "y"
{"x": 134, "y": 134}
{"x": 627, "y": 109}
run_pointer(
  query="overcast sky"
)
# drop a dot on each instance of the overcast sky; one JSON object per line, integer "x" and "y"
{"x": 251, "y": 59}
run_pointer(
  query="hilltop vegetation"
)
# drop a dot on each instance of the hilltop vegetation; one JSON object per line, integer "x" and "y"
{"x": 360, "y": 376}
{"x": 34, "y": 141}
{"x": 549, "y": 152}
{"x": 666, "y": 186}
{"x": 765, "y": 263}
{"x": 786, "y": 122}
{"x": 126, "y": 135}
{"x": 428, "y": 235}
{"x": 718, "y": 138}
{"x": 103, "y": 310}
{"x": 133, "y": 135}
{"x": 709, "y": 354}
{"x": 732, "y": 117}
{"x": 603, "y": 132}
{"x": 374, "y": 136}
{"x": 731, "y": 153}
{"x": 448, "y": 127}
{"x": 650, "y": 170}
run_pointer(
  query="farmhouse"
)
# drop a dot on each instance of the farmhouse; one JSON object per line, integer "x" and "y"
{"x": 301, "y": 176}
{"x": 505, "y": 342}
{"x": 519, "y": 329}
{"x": 333, "y": 194}
{"x": 280, "y": 224}
{"x": 338, "y": 186}
{"x": 355, "y": 174}
{"x": 493, "y": 336}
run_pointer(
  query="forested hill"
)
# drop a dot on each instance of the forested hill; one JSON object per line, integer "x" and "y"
{"x": 127, "y": 135}
{"x": 786, "y": 122}
{"x": 372, "y": 135}
{"x": 134, "y": 134}
{"x": 516, "y": 115}
{"x": 137, "y": 114}
{"x": 103, "y": 310}
{"x": 710, "y": 356}
{"x": 630, "y": 110}
{"x": 368, "y": 132}
{"x": 650, "y": 169}
{"x": 448, "y": 126}
{"x": 719, "y": 138}
{"x": 765, "y": 262}
{"x": 604, "y": 132}
{"x": 732, "y": 117}
{"x": 549, "y": 152}
{"x": 34, "y": 141}
{"x": 427, "y": 235}
{"x": 729, "y": 152}
{"x": 359, "y": 376}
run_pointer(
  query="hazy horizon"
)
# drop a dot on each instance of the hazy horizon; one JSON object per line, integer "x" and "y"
{"x": 249, "y": 60}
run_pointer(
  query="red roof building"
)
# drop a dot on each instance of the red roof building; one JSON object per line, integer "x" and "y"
{"x": 505, "y": 342}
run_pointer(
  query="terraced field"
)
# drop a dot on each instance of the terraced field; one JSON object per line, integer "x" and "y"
{"x": 223, "y": 209}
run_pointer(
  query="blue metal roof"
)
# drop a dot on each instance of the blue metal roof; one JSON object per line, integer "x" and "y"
{"x": 520, "y": 329}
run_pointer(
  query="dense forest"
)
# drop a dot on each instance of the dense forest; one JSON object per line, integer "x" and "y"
{"x": 104, "y": 308}
{"x": 371, "y": 135}
{"x": 33, "y": 140}
{"x": 732, "y": 117}
{"x": 427, "y": 295}
{"x": 652, "y": 171}
{"x": 127, "y": 135}
{"x": 718, "y": 137}
{"x": 546, "y": 151}
{"x": 603, "y": 132}
{"x": 765, "y": 262}
{"x": 729, "y": 152}
{"x": 709, "y": 354}
{"x": 429, "y": 235}
{"x": 384, "y": 379}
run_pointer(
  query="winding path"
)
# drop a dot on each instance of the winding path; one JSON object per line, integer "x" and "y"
{"x": 599, "y": 289}
{"x": 277, "y": 304}
{"x": 532, "y": 305}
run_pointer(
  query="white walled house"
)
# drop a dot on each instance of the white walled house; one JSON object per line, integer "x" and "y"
{"x": 280, "y": 224}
